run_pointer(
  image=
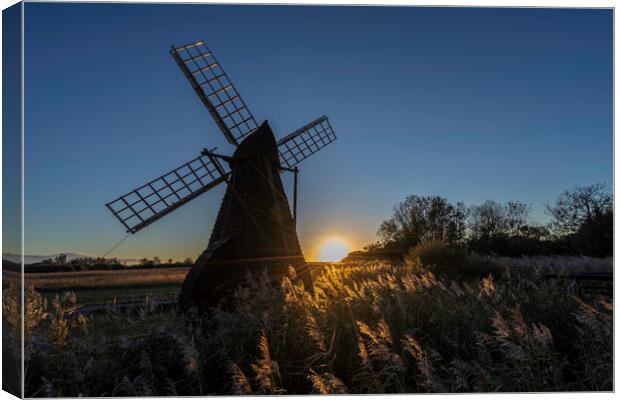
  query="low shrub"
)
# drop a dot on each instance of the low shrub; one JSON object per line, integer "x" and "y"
{"x": 450, "y": 261}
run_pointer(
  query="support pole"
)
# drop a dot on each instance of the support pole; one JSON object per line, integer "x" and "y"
{"x": 295, "y": 171}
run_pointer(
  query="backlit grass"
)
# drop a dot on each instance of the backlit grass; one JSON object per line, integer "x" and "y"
{"x": 367, "y": 327}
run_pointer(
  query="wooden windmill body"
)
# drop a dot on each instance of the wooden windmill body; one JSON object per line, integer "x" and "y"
{"x": 254, "y": 232}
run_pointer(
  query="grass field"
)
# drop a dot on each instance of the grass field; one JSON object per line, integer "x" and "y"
{"x": 109, "y": 286}
{"x": 94, "y": 280}
{"x": 367, "y": 327}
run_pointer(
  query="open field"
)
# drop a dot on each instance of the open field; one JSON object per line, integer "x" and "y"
{"x": 110, "y": 286}
{"x": 95, "y": 280}
{"x": 368, "y": 327}
{"x": 107, "y": 286}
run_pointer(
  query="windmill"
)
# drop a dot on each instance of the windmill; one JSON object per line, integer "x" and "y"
{"x": 254, "y": 230}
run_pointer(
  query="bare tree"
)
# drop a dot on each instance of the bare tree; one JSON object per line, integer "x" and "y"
{"x": 579, "y": 206}
{"x": 517, "y": 214}
{"x": 457, "y": 224}
{"x": 488, "y": 220}
{"x": 421, "y": 218}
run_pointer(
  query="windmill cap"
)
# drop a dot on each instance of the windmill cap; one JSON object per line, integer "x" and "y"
{"x": 260, "y": 144}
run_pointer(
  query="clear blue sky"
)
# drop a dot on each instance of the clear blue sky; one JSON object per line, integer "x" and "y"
{"x": 469, "y": 104}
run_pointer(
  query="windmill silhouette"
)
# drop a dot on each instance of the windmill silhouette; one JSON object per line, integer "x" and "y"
{"x": 254, "y": 231}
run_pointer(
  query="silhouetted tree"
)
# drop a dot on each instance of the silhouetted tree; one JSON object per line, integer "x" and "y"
{"x": 457, "y": 224}
{"x": 579, "y": 206}
{"x": 61, "y": 259}
{"x": 504, "y": 229}
{"x": 488, "y": 221}
{"x": 535, "y": 232}
{"x": 147, "y": 262}
{"x": 422, "y": 218}
{"x": 582, "y": 224}
{"x": 595, "y": 237}
{"x": 517, "y": 214}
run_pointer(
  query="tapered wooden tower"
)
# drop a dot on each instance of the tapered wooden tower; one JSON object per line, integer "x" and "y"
{"x": 254, "y": 231}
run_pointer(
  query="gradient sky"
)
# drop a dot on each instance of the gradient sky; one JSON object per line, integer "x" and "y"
{"x": 469, "y": 104}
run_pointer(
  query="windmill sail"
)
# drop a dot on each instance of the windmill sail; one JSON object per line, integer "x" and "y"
{"x": 215, "y": 90}
{"x": 254, "y": 231}
{"x": 305, "y": 141}
{"x": 157, "y": 198}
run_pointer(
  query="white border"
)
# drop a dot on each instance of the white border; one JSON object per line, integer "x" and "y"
{"x": 478, "y": 3}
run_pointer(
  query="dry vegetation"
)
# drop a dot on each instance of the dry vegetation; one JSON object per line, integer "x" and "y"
{"x": 97, "y": 279}
{"x": 366, "y": 328}
{"x": 108, "y": 286}
{"x": 557, "y": 264}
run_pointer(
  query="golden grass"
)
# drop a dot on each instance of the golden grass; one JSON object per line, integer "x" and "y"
{"x": 83, "y": 280}
{"x": 365, "y": 328}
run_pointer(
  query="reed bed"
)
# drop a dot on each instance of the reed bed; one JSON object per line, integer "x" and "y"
{"x": 557, "y": 264}
{"x": 367, "y": 327}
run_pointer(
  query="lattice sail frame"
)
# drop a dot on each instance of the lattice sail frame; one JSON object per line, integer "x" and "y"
{"x": 157, "y": 198}
{"x": 305, "y": 141}
{"x": 152, "y": 201}
{"x": 215, "y": 90}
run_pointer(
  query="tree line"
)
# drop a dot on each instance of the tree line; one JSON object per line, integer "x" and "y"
{"x": 62, "y": 263}
{"x": 581, "y": 223}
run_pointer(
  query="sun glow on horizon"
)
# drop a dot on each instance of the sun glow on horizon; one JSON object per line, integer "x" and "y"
{"x": 333, "y": 249}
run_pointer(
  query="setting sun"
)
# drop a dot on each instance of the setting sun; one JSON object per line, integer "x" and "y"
{"x": 333, "y": 249}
